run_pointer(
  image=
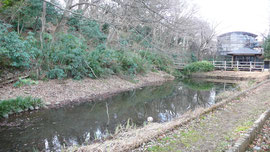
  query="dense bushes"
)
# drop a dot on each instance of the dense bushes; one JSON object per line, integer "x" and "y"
{"x": 201, "y": 66}
{"x": 68, "y": 56}
{"x": 107, "y": 62}
{"x": 15, "y": 51}
{"x": 18, "y": 105}
{"x": 25, "y": 14}
{"x": 159, "y": 62}
{"x": 78, "y": 63}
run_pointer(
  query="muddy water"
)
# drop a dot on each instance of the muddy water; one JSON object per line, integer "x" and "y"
{"x": 50, "y": 130}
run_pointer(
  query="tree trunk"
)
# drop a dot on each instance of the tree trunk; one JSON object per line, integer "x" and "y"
{"x": 63, "y": 20}
{"x": 43, "y": 22}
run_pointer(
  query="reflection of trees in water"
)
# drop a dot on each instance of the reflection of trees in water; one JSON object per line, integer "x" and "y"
{"x": 77, "y": 125}
{"x": 181, "y": 101}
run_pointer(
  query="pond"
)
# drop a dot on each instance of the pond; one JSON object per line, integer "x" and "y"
{"x": 52, "y": 129}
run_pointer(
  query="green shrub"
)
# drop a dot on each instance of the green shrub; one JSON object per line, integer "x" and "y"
{"x": 18, "y": 105}
{"x": 27, "y": 13}
{"x": 132, "y": 63}
{"x": 22, "y": 82}
{"x": 67, "y": 58}
{"x": 140, "y": 35}
{"x": 67, "y": 55}
{"x": 15, "y": 51}
{"x": 108, "y": 62}
{"x": 266, "y": 46}
{"x": 201, "y": 66}
{"x": 104, "y": 62}
{"x": 90, "y": 29}
{"x": 159, "y": 62}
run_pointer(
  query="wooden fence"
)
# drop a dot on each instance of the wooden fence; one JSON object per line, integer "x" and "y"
{"x": 231, "y": 65}
{"x": 238, "y": 66}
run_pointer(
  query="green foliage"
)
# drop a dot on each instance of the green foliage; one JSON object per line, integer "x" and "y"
{"x": 142, "y": 36}
{"x": 159, "y": 62}
{"x": 89, "y": 29}
{"x": 67, "y": 58}
{"x": 106, "y": 62}
{"x": 22, "y": 82}
{"x": 201, "y": 66}
{"x": 18, "y": 105}
{"x": 15, "y": 51}
{"x": 27, "y": 13}
{"x": 266, "y": 47}
{"x": 67, "y": 55}
{"x": 8, "y": 3}
{"x": 193, "y": 58}
{"x": 132, "y": 63}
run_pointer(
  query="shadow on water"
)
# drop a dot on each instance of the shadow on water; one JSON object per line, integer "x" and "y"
{"x": 49, "y": 130}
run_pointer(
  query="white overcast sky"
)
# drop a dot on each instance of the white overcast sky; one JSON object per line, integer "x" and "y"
{"x": 236, "y": 15}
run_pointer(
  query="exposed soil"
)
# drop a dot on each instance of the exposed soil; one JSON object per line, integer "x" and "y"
{"x": 217, "y": 131}
{"x": 61, "y": 92}
{"x": 233, "y": 75}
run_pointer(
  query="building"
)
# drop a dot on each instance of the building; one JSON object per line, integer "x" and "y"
{"x": 239, "y": 46}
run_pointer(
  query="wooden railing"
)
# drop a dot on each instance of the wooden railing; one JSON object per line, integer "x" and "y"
{"x": 231, "y": 65}
{"x": 238, "y": 66}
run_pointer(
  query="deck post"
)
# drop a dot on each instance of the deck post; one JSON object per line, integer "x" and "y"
{"x": 237, "y": 65}
{"x": 250, "y": 66}
{"x": 225, "y": 65}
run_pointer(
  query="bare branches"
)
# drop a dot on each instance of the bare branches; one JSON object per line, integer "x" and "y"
{"x": 173, "y": 25}
{"x": 84, "y": 3}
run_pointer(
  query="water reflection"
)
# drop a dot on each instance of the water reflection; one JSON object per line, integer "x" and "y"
{"x": 50, "y": 130}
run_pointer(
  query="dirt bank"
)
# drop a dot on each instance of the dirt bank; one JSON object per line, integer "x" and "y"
{"x": 61, "y": 92}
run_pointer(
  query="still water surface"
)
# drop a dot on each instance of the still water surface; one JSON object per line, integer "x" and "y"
{"x": 49, "y": 130}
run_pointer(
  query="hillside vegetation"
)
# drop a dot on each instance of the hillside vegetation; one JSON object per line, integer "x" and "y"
{"x": 82, "y": 38}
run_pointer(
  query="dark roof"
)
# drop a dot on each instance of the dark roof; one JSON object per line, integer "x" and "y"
{"x": 239, "y": 32}
{"x": 245, "y": 51}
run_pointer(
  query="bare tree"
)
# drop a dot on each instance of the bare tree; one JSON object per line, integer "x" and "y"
{"x": 165, "y": 26}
